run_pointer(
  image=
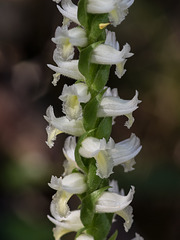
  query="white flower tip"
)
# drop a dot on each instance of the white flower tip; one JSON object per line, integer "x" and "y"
{"x": 50, "y": 144}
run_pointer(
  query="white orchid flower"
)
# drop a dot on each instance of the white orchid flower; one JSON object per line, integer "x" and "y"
{"x": 68, "y": 69}
{"x": 72, "y": 223}
{"x": 108, "y": 155}
{"x": 69, "y": 153}
{"x": 75, "y": 36}
{"x": 125, "y": 213}
{"x": 85, "y": 237}
{"x": 72, "y": 96}
{"x": 137, "y": 237}
{"x": 109, "y": 54}
{"x": 65, "y": 40}
{"x": 98, "y": 148}
{"x": 60, "y": 125}
{"x": 69, "y": 10}
{"x": 117, "y": 9}
{"x": 115, "y": 106}
{"x": 64, "y": 51}
{"x": 73, "y": 183}
{"x": 113, "y": 203}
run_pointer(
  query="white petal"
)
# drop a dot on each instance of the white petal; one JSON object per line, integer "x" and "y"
{"x": 115, "y": 106}
{"x": 72, "y": 107}
{"x": 68, "y": 69}
{"x": 120, "y": 71}
{"x": 75, "y": 36}
{"x": 91, "y": 146}
{"x": 111, "y": 92}
{"x": 105, "y": 54}
{"x": 59, "y": 207}
{"x": 78, "y": 37}
{"x": 52, "y": 132}
{"x": 130, "y": 120}
{"x": 114, "y": 187}
{"x": 111, "y": 40}
{"x": 69, "y": 148}
{"x": 63, "y": 52}
{"x": 128, "y": 165}
{"x": 118, "y": 14}
{"x": 69, "y": 10}
{"x": 74, "y": 183}
{"x": 125, "y": 150}
{"x": 79, "y": 89}
{"x": 69, "y": 152}
{"x": 73, "y": 127}
{"x": 127, "y": 215}
{"x": 55, "y": 183}
{"x": 104, "y": 164}
{"x": 71, "y": 223}
{"x": 57, "y": 1}
{"x": 85, "y": 237}
{"x": 72, "y": 96}
{"x": 137, "y": 237}
{"x": 100, "y": 6}
{"x": 113, "y": 202}
{"x": 56, "y": 78}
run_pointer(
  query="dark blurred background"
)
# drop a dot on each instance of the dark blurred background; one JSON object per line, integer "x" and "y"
{"x": 152, "y": 30}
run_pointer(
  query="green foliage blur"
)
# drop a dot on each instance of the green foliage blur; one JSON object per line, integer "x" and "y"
{"x": 152, "y": 30}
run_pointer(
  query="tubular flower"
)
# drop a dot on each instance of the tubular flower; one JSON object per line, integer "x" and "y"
{"x": 115, "y": 106}
{"x": 75, "y": 36}
{"x": 73, "y": 127}
{"x": 65, "y": 40}
{"x": 125, "y": 213}
{"x": 117, "y": 9}
{"x": 109, "y": 54}
{"x": 71, "y": 223}
{"x": 68, "y": 69}
{"x": 93, "y": 147}
{"x": 109, "y": 154}
{"x": 113, "y": 203}
{"x": 69, "y": 10}
{"x": 72, "y": 96}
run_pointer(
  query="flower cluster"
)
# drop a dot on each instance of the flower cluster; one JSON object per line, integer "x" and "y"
{"x": 90, "y": 109}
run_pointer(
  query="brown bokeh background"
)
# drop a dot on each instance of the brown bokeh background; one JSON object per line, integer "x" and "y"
{"x": 152, "y": 30}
